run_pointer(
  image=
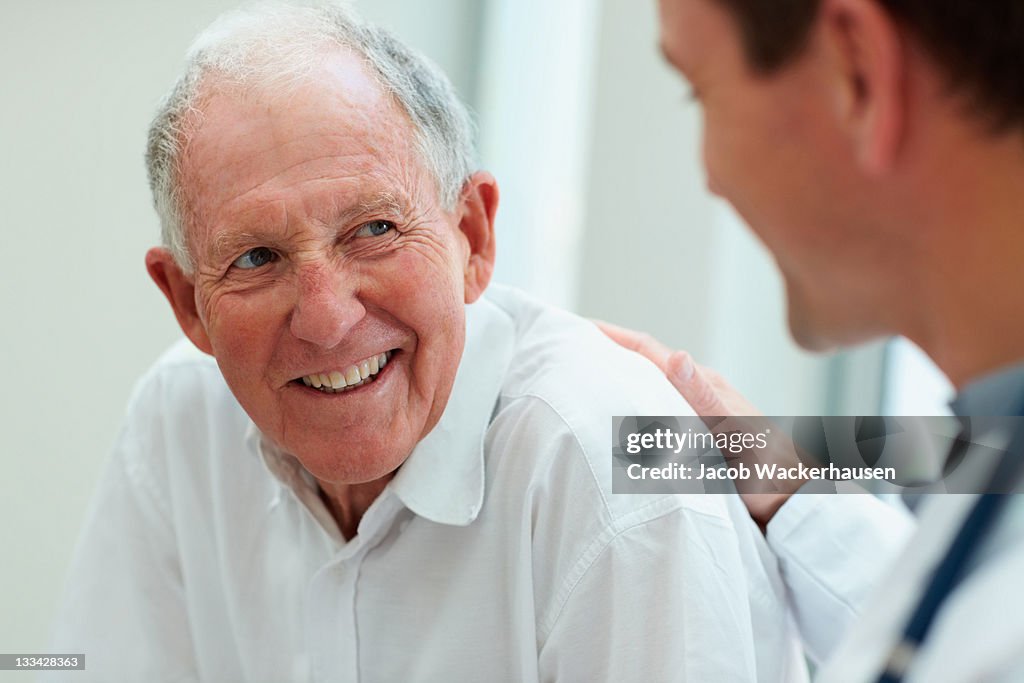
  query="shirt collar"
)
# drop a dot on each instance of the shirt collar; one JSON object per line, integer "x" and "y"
{"x": 998, "y": 393}
{"x": 443, "y": 479}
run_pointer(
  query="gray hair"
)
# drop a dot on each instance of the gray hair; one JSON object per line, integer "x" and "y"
{"x": 274, "y": 45}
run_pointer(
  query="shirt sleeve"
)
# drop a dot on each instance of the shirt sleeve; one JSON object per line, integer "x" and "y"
{"x": 832, "y": 549}
{"x": 663, "y": 601}
{"x": 124, "y": 603}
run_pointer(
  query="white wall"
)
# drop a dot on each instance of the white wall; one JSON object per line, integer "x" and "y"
{"x": 535, "y": 108}
{"x": 81, "y": 321}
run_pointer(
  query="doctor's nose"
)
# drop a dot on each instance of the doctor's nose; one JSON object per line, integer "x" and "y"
{"x": 326, "y": 306}
{"x": 713, "y": 187}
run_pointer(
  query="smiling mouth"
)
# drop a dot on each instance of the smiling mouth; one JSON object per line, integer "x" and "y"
{"x": 354, "y": 376}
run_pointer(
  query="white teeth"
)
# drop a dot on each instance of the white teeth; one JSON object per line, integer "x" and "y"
{"x": 353, "y": 376}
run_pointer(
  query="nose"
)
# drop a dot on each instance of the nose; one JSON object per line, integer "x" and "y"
{"x": 710, "y": 175}
{"x": 327, "y": 306}
{"x": 712, "y": 185}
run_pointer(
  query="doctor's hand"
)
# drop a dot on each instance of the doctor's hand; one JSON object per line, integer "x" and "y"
{"x": 714, "y": 400}
{"x": 710, "y": 395}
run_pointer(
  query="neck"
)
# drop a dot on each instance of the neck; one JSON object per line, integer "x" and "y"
{"x": 348, "y": 503}
{"x": 971, "y": 318}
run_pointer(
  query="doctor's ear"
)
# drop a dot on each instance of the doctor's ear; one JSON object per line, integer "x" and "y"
{"x": 869, "y": 69}
{"x": 477, "y": 207}
{"x": 180, "y": 291}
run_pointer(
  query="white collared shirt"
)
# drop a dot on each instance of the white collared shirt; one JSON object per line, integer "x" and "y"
{"x": 978, "y": 633}
{"x": 497, "y": 553}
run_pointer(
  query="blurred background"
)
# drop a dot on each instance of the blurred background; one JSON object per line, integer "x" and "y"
{"x": 604, "y": 211}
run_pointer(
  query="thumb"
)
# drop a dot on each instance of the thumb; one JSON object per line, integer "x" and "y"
{"x": 690, "y": 381}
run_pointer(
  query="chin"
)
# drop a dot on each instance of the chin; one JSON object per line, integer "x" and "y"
{"x": 809, "y": 328}
{"x": 822, "y": 333}
{"x": 348, "y": 465}
{"x": 808, "y": 340}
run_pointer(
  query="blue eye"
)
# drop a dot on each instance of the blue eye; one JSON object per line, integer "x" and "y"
{"x": 375, "y": 229}
{"x": 255, "y": 258}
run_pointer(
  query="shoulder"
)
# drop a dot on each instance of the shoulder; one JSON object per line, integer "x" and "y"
{"x": 570, "y": 363}
{"x": 185, "y": 386}
{"x": 565, "y": 382}
{"x": 549, "y": 463}
{"x": 180, "y": 423}
{"x": 182, "y": 368}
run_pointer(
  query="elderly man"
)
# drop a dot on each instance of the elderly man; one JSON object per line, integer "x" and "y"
{"x": 357, "y": 476}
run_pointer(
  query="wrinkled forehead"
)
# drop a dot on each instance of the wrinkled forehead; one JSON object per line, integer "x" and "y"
{"x": 335, "y": 121}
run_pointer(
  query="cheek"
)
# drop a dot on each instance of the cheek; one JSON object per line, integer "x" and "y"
{"x": 242, "y": 328}
{"x": 429, "y": 271}
{"x": 425, "y": 294}
{"x": 430, "y": 299}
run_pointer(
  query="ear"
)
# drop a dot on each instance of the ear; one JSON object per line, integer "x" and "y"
{"x": 180, "y": 292}
{"x": 477, "y": 206}
{"x": 870, "y": 76}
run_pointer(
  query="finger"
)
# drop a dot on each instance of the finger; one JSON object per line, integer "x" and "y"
{"x": 627, "y": 338}
{"x": 690, "y": 381}
{"x": 640, "y": 342}
{"x": 733, "y": 402}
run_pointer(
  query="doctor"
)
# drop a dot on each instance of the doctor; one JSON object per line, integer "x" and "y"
{"x": 876, "y": 147}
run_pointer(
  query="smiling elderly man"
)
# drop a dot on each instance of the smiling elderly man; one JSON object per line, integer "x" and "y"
{"x": 375, "y": 481}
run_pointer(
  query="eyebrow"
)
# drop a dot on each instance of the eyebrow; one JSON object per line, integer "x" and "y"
{"x": 227, "y": 244}
{"x": 382, "y": 202}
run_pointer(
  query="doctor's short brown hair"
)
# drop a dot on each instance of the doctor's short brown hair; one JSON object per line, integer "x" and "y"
{"x": 979, "y": 44}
